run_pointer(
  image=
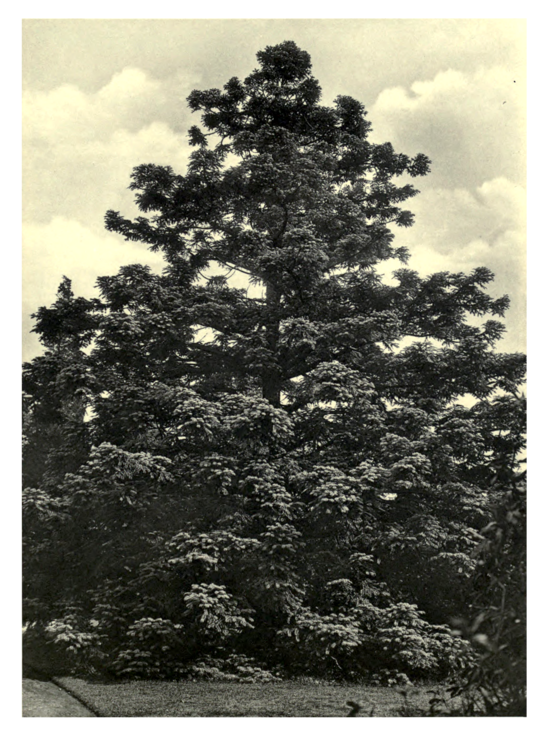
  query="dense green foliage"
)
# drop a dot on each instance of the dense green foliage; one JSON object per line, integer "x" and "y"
{"x": 496, "y": 684}
{"x": 285, "y": 474}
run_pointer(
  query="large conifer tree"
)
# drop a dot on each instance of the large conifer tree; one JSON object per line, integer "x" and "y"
{"x": 284, "y": 471}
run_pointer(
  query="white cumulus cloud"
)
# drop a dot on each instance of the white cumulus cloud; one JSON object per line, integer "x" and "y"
{"x": 457, "y": 229}
{"x": 80, "y": 148}
{"x": 472, "y": 206}
{"x": 472, "y": 125}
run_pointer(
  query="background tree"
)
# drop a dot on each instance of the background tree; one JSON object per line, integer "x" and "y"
{"x": 285, "y": 472}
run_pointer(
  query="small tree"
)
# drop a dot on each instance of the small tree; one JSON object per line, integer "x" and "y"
{"x": 261, "y": 446}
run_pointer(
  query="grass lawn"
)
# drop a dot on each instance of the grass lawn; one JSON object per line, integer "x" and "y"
{"x": 209, "y": 699}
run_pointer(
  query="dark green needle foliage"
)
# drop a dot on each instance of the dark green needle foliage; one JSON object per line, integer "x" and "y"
{"x": 283, "y": 478}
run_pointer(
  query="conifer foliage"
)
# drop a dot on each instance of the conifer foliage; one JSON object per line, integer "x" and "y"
{"x": 243, "y": 482}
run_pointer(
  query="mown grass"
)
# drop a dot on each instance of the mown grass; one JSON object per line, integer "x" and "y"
{"x": 211, "y": 699}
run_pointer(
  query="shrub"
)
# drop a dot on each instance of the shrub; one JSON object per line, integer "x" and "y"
{"x": 63, "y": 645}
{"x": 381, "y": 645}
{"x": 234, "y": 668}
{"x": 496, "y": 685}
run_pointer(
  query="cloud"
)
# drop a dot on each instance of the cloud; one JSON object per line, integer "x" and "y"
{"x": 131, "y": 100}
{"x": 83, "y": 179}
{"x": 472, "y": 125}
{"x": 356, "y": 56}
{"x": 450, "y": 218}
{"x": 458, "y": 230}
{"x": 471, "y": 209}
{"x": 80, "y": 148}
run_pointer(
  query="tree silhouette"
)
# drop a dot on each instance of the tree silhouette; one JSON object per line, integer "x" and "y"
{"x": 279, "y": 466}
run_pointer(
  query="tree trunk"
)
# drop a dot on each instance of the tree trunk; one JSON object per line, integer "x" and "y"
{"x": 271, "y": 376}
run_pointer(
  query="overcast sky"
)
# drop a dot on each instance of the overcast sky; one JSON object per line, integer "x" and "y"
{"x": 102, "y": 96}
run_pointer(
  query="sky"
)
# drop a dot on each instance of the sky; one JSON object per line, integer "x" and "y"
{"x": 102, "y": 96}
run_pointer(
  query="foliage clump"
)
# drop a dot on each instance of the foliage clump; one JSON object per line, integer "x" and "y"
{"x": 497, "y": 625}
